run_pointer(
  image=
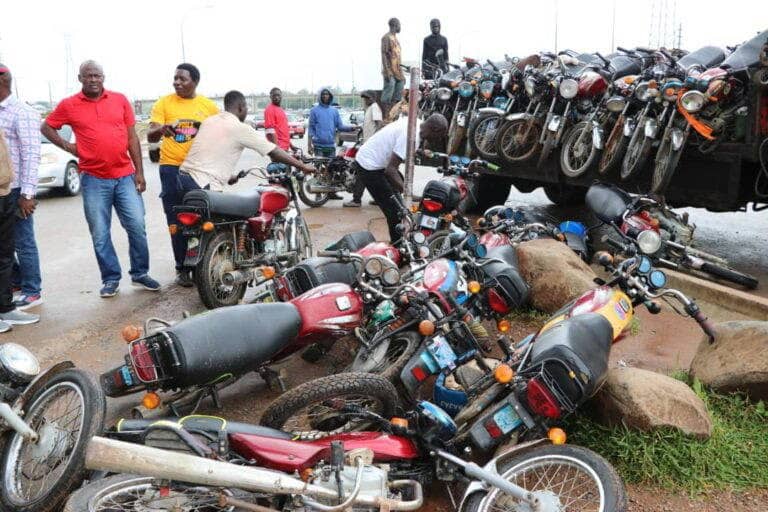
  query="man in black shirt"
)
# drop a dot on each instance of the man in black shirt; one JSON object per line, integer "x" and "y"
{"x": 433, "y": 43}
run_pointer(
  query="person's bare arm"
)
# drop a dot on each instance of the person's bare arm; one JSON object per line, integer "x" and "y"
{"x": 280, "y": 156}
{"x": 271, "y": 137}
{"x": 52, "y": 135}
{"x": 157, "y": 130}
{"x": 392, "y": 173}
{"x": 134, "y": 150}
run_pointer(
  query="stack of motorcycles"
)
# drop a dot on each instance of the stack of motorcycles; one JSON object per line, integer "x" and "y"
{"x": 633, "y": 111}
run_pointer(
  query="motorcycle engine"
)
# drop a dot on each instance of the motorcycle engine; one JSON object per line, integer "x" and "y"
{"x": 275, "y": 245}
{"x": 373, "y": 483}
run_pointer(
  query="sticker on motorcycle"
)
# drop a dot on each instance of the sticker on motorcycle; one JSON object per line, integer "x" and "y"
{"x": 554, "y": 123}
{"x": 429, "y": 222}
{"x": 507, "y": 419}
{"x": 193, "y": 245}
{"x": 442, "y": 352}
{"x": 461, "y": 120}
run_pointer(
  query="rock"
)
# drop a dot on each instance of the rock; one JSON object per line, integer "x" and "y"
{"x": 736, "y": 361}
{"x": 554, "y": 272}
{"x": 647, "y": 400}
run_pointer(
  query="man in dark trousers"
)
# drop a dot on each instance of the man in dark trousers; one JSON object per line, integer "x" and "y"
{"x": 433, "y": 43}
{"x": 394, "y": 79}
{"x": 383, "y": 153}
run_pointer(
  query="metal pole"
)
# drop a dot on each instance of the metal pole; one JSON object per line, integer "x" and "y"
{"x": 183, "y": 53}
{"x": 413, "y": 102}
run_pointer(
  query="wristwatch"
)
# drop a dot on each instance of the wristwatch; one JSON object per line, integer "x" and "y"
{"x": 28, "y": 197}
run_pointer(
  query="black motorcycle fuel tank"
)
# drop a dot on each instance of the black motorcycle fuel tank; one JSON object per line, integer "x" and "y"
{"x": 231, "y": 340}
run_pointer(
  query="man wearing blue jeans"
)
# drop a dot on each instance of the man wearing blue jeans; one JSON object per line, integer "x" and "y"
{"x": 112, "y": 173}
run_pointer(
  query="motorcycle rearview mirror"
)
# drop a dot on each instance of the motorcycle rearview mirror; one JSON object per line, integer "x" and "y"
{"x": 604, "y": 258}
{"x": 472, "y": 241}
{"x": 481, "y": 251}
{"x": 653, "y": 308}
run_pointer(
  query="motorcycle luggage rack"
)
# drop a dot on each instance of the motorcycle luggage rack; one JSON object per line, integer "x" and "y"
{"x": 150, "y": 348}
{"x": 539, "y": 370}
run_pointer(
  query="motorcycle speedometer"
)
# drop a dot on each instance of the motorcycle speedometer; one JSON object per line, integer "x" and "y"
{"x": 657, "y": 279}
{"x": 374, "y": 267}
{"x": 19, "y": 364}
{"x": 390, "y": 277}
{"x": 419, "y": 238}
{"x": 645, "y": 265}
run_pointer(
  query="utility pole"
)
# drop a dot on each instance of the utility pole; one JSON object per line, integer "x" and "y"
{"x": 613, "y": 29}
{"x": 556, "y": 16}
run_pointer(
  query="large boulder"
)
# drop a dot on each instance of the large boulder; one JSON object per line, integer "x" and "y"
{"x": 647, "y": 401}
{"x": 736, "y": 361}
{"x": 554, "y": 272}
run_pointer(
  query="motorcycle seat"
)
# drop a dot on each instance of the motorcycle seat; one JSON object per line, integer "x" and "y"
{"x": 229, "y": 204}
{"x": 208, "y": 424}
{"x": 505, "y": 253}
{"x": 231, "y": 340}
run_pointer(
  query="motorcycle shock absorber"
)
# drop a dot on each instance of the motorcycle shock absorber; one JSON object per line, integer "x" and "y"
{"x": 241, "y": 239}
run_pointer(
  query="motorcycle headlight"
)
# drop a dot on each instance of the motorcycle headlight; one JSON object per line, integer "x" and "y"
{"x": 390, "y": 277}
{"x": 642, "y": 92}
{"x": 19, "y": 364}
{"x": 693, "y": 101}
{"x": 500, "y": 102}
{"x": 466, "y": 90}
{"x": 649, "y": 241}
{"x": 615, "y": 104}
{"x": 374, "y": 267}
{"x": 568, "y": 88}
{"x": 530, "y": 86}
{"x": 486, "y": 89}
{"x": 444, "y": 94}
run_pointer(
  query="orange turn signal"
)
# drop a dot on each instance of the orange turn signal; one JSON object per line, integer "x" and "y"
{"x": 503, "y": 325}
{"x": 151, "y": 400}
{"x": 173, "y": 229}
{"x": 207, "y": 226}
{"x": 448, "y": 217}
{"x": 268, "y": 272}
{"x": 131, "y": 333}
{"x": 426, "y": 328}
{"x": 306, "y": 474}
{"x": 473, "y": 287}
{"x": 399, "y": 422}
{"x": 557, "y": 435}
{"x": 414, "y": 208}
{"x": 503, "y": 373}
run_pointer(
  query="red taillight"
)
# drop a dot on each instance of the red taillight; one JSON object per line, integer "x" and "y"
{"x": 419, "y": 373}
{"x": 493, "y": 429}
{"x": 541, "y": 401}
{"x": 431, "y": 206}
{"x": 497, "y": 302}
{"x": 142, "y": 361}
{"x": 351, "y": 152}
{"x": 188, "y": 218}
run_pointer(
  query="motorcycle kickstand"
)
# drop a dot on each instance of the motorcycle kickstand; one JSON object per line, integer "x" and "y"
{"x": 273, "y": 379}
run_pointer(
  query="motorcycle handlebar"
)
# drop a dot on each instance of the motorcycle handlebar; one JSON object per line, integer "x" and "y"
{"x": 706, "y": 325}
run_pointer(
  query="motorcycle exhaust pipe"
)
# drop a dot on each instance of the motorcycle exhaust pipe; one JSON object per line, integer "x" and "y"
{"x": 236, "y": 277}
{"x": 120, "y": 457}
{"x": 323, "y": 189}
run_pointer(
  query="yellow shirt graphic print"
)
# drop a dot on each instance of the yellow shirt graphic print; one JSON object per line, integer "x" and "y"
{"x": 185, "y": 115}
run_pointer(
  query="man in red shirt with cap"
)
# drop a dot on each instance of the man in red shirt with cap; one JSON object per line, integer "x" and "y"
{"x": 112, "y": 173}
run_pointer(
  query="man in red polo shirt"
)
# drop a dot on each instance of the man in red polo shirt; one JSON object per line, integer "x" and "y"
{"x": 276, "y": 122}
{"x": 112, "y": 173}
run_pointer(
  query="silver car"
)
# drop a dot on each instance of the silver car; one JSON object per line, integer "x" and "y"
{"x": 58, "y": 169}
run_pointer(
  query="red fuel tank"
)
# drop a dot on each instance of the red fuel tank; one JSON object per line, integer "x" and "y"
{"x": 327, "y": 309}
{"x": 381, "y": 249}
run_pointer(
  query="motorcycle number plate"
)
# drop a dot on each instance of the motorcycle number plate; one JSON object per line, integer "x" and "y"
{"x": 461, "y": 120}
{"x": 554, "y": 123}
{"x": 507, "y": 419}
{"x": 429, "y": 222}
{"x": 442, "y": 352}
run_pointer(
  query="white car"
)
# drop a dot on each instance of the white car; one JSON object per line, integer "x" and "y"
{"x": 58, "y": 169}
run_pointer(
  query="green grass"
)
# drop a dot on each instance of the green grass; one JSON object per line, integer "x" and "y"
{"x": 529, "y": 315}
{"x": 735, "y": 457}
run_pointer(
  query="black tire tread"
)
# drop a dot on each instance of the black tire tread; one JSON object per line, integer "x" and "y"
{"x": 203, "y": 284}
{"x": 78, "y": 501}
{"x": 392, "y": 373}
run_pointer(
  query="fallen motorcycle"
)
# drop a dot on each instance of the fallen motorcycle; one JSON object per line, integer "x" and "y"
{"x": 46, "y": 420}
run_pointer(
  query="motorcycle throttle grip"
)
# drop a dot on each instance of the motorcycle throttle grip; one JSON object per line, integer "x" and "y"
{"x": 706, "y": 325}
{"x": 614, "y": 243}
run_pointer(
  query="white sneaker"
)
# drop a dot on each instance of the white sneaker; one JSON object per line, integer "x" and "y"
{"x": 17, "y": 317}
{"x": 4, "y": 327}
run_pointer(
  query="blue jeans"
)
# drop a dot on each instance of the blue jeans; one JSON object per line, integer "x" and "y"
{"x": 392, "y": 92}
{"x": 26, "y": 265}
{"x": 99, "y": 197}
{"x": 172, "y": 195}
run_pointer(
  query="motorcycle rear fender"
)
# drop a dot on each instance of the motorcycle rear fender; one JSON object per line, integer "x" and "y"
{"x": 597, "y": 135}
{"x": 519, "y": 115}
{"x": 205, "y": 239}
{"x": 493, "y": 466}
{"x": 651, "y": 128}
{"x": 40, "y": 381}
{"x": 677, "y": 136}
{"x": 490, "y": 110}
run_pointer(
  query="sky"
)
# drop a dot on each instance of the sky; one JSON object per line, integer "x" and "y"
{"x": 252, "y": 46}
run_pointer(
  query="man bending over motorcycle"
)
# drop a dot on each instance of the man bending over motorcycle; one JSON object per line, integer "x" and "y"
{"x": 381, "y": 156}
{"x": 220, "y": 142}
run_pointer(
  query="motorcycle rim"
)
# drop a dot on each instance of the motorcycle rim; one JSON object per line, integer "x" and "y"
{"x": 664, "y": 168}
{"x": 519, "y": 141}
{"x": 615, "y": 147}
{"x": 129, "y": 493}
{"x": 484, "y": 136}
{"x": 637, "y": 154}
{"x": 576, "y": 161}
{"x": 311, "y": 199}
{"x": 222, "y": 260}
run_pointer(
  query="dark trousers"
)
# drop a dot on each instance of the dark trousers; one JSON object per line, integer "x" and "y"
{"x": 172, "y": 195}
{"x": 381, "y": 190}
{"x": 7, "y": 248}
{"x": 359, "y": 187}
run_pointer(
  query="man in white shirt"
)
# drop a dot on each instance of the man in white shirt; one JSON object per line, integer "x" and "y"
{"x": 383, "y": 153}
{"x": 219, "y": 143}
{"x": 371, "y": 124}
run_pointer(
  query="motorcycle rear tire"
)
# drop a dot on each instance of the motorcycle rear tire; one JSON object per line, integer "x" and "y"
{"x": 206, "y": 288}
{"x": 665, "y": 166}
{"x": 614, "y": 150}
{"x": 319, "y": 200}
{"x": 508, "y": 150}
{"x": 94, "y": 405}
{"x": 730, "y": 275}
{"x": 636, "y": 157}
{"x": 479, "y": 128}
{"x": 332, "y": 389}
{"x": 615, "y": 495}
{"x": 402, "y": 346}
{"x": 568, "y": 166}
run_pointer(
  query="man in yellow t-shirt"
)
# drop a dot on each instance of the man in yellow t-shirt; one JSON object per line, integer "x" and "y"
{"x": 176, "y": 118}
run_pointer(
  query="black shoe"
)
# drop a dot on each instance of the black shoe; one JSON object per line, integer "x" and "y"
{"x": 184, "y": 279}
{"x": 334, "y": 197}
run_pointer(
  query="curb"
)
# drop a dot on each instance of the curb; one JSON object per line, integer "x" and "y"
{"x": 721, "y": 295}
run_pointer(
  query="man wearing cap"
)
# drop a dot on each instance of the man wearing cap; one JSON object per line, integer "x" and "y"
{"x": 19, "y": 159}
{"x": 371, "y": 124}
{"x": 112, "y": 174}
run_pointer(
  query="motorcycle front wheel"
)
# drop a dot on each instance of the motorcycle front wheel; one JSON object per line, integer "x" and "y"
{"x": 65, "y": 412}
{"x": 388, "y": 357}
{"x": 566, "y": 477}
{"x": 311, "y": 199}
{"x": 664, "y": 168}
{"x": 140, "y": 494}
{"x": 638, "y": 152}
{"x": 614, "y": 150}
{"x": 576, "y": 158}
{"x": 482, "y": 135}
{"x": 218, "y": 259}
{"x": 518, "y": 141}
{"x": 321, "y": 407}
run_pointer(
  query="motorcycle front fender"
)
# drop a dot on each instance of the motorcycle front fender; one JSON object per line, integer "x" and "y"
{"x": 40, "y": 381}
{"x": 490, "y": 110}
{"x": 493, "y": 466}
{"x": 678, "y": 138}
{"x": 651, "y": 128}
{"x": 519, "y": 115}
{"x": 597, "y": 135}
